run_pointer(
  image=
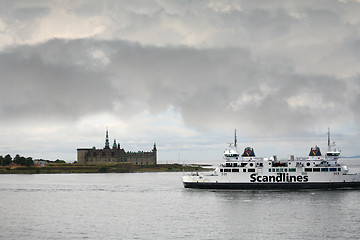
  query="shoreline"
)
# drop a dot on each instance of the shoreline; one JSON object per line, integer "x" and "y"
{"x": 101, "y": 168}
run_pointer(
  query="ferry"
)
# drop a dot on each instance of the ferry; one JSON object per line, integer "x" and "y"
{"x": 246, "y": 171}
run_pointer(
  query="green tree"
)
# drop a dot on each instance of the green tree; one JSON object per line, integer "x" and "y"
{"x": 59, "y": 161}
{"x": 28, "y": 162}
{"x": 17, "y": 159}
{"x": 7, "y": 159}
{"x": 23, "y": 161}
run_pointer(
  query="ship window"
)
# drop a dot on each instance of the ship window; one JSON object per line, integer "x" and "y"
{"x": 332, "y": 154}
{"x": 269, "y": 169}
{"x": 316, "y": 169}
{"x": 231, "y": 155}
{"x": 308, "y": 169}
{"x": 244, "y": 170}
{"x": 228, "y": 164}
{"x": 235, "y": 170}
{"x": 227, "y": 170}
{"x": 324, "y": 169}
{"x": 339, "y": 169}
{"x": 251, "y": 170}
{"x": 243, "y": 164}
{"x": 221, "y": 170}
{"x": 273, "y": 169}
{"x": 281, "y": 169}
{"x": 285, "y": 169}
{"x": 277, "y": 170}
{"x": 235, "y": 164}
{"x": 292, "y": 169}
{"x": 332, "y": 169}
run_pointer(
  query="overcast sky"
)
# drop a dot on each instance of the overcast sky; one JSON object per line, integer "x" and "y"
{"x": 183, "y": 74}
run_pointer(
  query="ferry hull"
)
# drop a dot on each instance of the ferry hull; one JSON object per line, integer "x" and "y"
{"x": 269, "y": 186}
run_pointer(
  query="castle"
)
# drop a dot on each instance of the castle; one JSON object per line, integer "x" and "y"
{"x": 115, "y": 154}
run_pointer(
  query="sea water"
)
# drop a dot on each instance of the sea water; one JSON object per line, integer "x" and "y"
{"x": 157, "y": 206}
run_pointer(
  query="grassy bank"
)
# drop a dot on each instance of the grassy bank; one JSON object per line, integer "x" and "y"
{"x": 99, "y": 168}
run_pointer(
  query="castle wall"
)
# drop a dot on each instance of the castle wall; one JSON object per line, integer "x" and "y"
{"x": 94, "y": 156}
{"x": 142, "y": 158}
{"x": 81, "y": 155}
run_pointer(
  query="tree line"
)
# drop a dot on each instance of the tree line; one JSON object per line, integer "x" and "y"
{"x": 23, "y": 161}
{"x": 19, "y": 160}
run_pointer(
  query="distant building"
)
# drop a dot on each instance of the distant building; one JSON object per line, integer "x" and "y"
{"x": 115, "y": 154}
{"x": 41, "y": 163}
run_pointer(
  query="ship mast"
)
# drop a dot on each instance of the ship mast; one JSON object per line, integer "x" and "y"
{"x": 329, "y": 146}
{"x": 235, "y": 140}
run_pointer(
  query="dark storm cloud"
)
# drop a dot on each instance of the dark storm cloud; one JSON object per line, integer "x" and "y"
{"x": 50, "y": 81}
{"x": 25, "y": 14}
{"x": 17, "y": 14}
{"x": 211, "y": 88}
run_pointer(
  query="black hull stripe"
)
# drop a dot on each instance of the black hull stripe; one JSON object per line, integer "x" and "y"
{"x": 318, "y": 185}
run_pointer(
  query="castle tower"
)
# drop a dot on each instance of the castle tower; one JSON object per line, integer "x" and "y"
{"x": 154, "y": 157}
{"x": 107, "y": 145}
{"x": 114, "y": 145}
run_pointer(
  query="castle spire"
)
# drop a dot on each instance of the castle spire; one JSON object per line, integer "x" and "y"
{"x": 114, "y": 145}
{"x": 107, "y": 145}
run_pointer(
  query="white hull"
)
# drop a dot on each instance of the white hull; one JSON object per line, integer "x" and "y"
{"x": 259, "y": 180}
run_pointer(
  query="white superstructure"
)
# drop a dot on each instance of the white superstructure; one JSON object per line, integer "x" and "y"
{"x": 247, "y": 171}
